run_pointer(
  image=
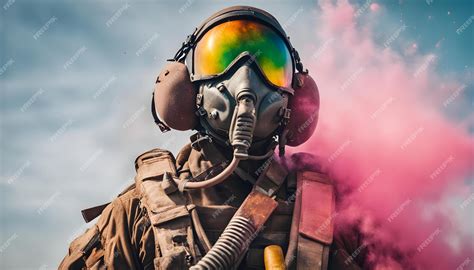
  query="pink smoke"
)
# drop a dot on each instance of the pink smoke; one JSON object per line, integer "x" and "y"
{"x": 396, "y": 158}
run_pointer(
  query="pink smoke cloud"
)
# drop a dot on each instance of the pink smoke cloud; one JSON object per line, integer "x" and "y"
{"x": 374, "y": 7}
{"x": 383, "y": 137}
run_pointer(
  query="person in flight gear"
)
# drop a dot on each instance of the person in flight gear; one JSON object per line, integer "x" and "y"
{"x": 226, "y": 201}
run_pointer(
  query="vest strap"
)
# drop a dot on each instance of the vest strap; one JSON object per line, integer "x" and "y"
{"x": 315, "y": 226}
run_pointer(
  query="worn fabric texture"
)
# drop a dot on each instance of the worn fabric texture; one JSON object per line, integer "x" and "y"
{"x": 123, "y": 237}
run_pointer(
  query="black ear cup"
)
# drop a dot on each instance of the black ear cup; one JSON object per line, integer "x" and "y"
{"x": 174, "y": 97}
{"x": 304, "y": 105}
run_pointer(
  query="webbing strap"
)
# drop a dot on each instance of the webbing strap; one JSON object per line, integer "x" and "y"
{"x": 312, "y": 254}
{"x": 271, "y": 180}
{"x": 315, "y": 230}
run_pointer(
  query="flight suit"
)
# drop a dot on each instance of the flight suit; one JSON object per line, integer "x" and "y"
{"x": 123, "y": 237}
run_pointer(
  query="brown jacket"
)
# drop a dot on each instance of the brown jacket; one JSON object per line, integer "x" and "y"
{"x": 123, "y": 238}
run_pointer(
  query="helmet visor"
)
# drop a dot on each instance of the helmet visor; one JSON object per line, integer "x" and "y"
{"x": 223, "y": 43}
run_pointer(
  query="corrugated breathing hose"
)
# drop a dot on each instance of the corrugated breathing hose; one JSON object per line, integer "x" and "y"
{"x": 234, "y": 241}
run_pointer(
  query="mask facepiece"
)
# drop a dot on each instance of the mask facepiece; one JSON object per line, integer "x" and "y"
{"x": 221, "y": 100}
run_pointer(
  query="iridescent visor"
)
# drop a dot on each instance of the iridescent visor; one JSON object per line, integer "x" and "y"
{"x": 222, "y": 44}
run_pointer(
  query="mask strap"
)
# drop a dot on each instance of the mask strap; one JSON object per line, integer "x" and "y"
{"x": 185, "y": 47}
{"x": 298, "y": 63}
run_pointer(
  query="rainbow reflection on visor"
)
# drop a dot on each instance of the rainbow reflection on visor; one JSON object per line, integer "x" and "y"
{"x": 223, "y": 43}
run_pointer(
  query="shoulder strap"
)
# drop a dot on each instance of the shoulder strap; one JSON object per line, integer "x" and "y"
{"x": 315, "y": 230}
{"x": 167, "y": 209}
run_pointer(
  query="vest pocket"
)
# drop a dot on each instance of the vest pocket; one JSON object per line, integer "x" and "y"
{"x": 175, "y": 259}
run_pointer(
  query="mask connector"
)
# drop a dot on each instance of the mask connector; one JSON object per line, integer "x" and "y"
{"x": 243, "y": 124}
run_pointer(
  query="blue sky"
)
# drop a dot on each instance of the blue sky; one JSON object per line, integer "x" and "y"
{"x": 76, "y": 82}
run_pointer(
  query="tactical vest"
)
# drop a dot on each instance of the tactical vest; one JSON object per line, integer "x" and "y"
{"x": 302, "y": 224}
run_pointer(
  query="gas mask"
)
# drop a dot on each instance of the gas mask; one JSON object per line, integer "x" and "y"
{"x": 220, "y": 99}
{"x": 238, "y": 81}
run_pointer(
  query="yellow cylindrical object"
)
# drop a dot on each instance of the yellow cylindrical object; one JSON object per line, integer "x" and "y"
{"x": 273, "y": 258}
